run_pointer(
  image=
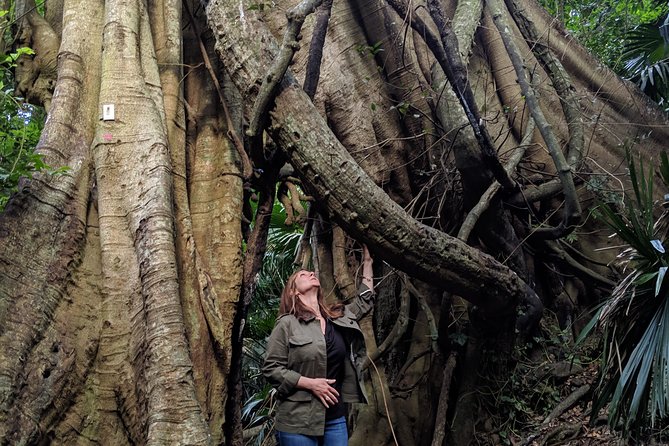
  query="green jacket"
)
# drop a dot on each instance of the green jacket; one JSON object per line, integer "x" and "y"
{"x": 297, "y": 348}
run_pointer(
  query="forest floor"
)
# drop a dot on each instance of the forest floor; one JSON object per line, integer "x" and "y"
{"x": 548, "y": 399}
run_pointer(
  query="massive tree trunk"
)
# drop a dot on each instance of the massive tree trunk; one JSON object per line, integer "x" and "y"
{"x": 121, "y": 280}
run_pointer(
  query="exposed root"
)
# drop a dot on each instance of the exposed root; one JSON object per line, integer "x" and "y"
{"x": 397, "y": 331}
{"x": 247, "y": 168}
{"x": 442, "y": 409}
{"x": 291, "y": 199}
{"x": 343, "y": 278}
{"x": 567, "y": 403}
{"x": 483, "y": 204}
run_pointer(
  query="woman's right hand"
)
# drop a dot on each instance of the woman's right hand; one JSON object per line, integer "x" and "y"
{"x": 321, "y": 388}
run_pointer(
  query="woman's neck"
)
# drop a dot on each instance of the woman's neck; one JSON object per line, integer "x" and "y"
{"x": 310, "y": 299}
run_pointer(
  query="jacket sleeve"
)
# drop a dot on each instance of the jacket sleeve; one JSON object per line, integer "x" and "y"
{"x": 275, "y": 367}
{"x": 363, "y": 302}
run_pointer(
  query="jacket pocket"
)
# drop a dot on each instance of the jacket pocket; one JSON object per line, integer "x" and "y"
{"x": 299, "y": 341}
{"x": 302, "y": 352}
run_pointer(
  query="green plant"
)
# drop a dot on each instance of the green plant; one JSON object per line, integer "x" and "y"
{"x": 646, "y": 58}
{"x": 634, "y": 374}
{"x": 20, "y": 129}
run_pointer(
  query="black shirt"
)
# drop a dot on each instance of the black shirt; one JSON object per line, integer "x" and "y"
{"x": 336, "y": 351}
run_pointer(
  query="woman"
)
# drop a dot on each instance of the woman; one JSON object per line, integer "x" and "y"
{"x": 313, "y": 359}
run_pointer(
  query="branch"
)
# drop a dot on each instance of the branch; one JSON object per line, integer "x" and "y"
{"x": 342, "y": 187}
{"x": 277, "y": 71}
{"x": 572, "y": 210}
{"x": 450, "y": 61}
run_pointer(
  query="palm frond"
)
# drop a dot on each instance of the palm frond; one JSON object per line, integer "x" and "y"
{"x": 634, "y": 374}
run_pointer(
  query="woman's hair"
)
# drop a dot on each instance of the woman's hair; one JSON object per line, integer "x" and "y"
{"x": 291, "y": 304}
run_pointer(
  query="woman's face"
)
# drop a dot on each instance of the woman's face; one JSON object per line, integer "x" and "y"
{"x": 305, "y": 281}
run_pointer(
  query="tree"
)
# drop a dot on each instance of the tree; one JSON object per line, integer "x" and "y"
{"x": 125, "y": 281}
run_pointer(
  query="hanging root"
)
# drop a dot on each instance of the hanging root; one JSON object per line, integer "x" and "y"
{"x": 277, "y": 71}
{"x": 342, "y": 276}
{"x": 397, "y": 331}
{"x": 572, "y": 209}
{"x": 484, "y": 202}
{"x": 313, "y": 70}
{"x": 449, "y": 59}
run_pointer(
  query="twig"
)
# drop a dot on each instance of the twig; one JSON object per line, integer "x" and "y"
{"x": 247, "y": 168}
{"x": 572, "y": 210}
{"x": 277, "y": 71}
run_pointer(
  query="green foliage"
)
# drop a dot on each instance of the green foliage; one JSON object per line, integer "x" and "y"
{"x": 20, "y": 129}
{"x": 634, "y": 375}
{"x": 646, "y": 56}
{"x": 603, "y": 26}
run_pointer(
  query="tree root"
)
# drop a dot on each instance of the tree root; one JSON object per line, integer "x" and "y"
{"x": 313, "y": 70}
{"x": 397, "y": 331}
{"x": 434, "y": 333}
{"x": 442, "y": 409}
{"x": 568, "y": 403}
{"x": 572, "y": 209}
{"x": 562, "y": 255}
{"x": 277, "y": 71}
{"x": 562, "y": 433}
{"x": 448, "y": 56}
{"x": 484, "y": 202}
{"x": 291, "y": 198}
{"x": 342, "y": 277}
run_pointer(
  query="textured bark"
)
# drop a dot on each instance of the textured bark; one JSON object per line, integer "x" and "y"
{"x": 355, "y": 202}
{"x": 120, "y": 280}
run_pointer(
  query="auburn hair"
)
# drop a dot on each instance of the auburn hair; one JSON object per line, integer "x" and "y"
{"x": 291, "y": 304}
